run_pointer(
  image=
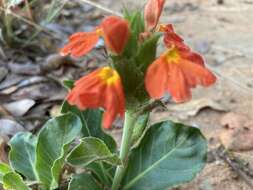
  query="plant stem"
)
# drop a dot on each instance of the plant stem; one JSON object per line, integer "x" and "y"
{"x": 130, "y": 119}
{"x": 8, "y": 23}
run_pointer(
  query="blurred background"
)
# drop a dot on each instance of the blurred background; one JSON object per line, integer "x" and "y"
{"x": 32, "y": 72}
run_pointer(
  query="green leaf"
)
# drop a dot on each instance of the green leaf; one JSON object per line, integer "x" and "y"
{"x": 22, "y": 154}
{"x": 139, "y": 128}
{"x": 55, "y": 9}
{"x": 169, "y": 154}
{"x": 90, "y": 150}
{"x": 91, "y": 124}
{"x": 103, "y": 172}
{"x": 83, "y": 182}
{"x": 69, "y": 84}
{"x": 52, "y": 146}
{"x": 137, "y": 26}
{"x": 14, "y": 181}
{"x": 4, "y": 169}
{"x": 147, "y": 52}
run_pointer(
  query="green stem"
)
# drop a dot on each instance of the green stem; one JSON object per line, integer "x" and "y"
{"x": 7, "y": 23}
{"x": 130, "y": 120}
{"x": 105, "y": 172}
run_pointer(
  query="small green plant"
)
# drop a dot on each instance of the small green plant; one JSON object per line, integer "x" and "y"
{"x": 74, "y": 152}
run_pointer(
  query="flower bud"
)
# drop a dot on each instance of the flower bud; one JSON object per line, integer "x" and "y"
{"x": 116, "y": 33}
{"x": 152, "y": 13}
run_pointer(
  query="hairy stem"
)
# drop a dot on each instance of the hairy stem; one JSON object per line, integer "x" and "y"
{"x": 130, "y": 119}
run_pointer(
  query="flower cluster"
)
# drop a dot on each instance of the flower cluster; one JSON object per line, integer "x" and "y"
{"x": 175, "y": 71}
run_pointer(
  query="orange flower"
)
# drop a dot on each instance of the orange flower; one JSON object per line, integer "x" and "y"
{"x": 114, "y": 30}
{"x": 171, "y": 38}
{"x": 101, "y": 88}
{"x": 116, "y": 33}
{"x": 177, "y": 71}
{"x": 152, "y": 13}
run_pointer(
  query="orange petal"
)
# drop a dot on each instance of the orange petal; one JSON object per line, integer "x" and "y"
{"x": 116, "y": 33}
{"x": 101, "y": 88}
{"x": 156, "y": 78}
{"x": 84, "y": 97}
{"x": 170, "y": 33}
{"x": 171, "y": 38}
{"x": 119, "y": 92}
{"x": 177, "y": 85}
{"x": 152, "y": 13}
{"x": 80, "y": 44}
{"x": 197, "y": 74}
{"x": 111, "y": 106}
{"x": 192, "y": 56}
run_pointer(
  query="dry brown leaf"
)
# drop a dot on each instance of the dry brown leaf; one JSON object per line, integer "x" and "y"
{"x": 54, "y": 61}
{"x": 237, "y": 132}
{"x": 55, "y": 111}
{"x": 24, "y": 68}
{"x": 10, "y": 80}
{"x": 20, "y": 107}
{"x": 23, "y": 82}
{"x": 10, "y": 127}
{"x": 192, "y": 108}
{"x": 3, "y": 143}
{"x": 3, "y": 73}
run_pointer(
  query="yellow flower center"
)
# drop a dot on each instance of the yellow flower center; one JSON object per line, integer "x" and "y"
{"x": 172, "y": 55}
{"x": 108, "y": 75}
{"x": 99, "y": 32}
{"x": 161, "y": 28}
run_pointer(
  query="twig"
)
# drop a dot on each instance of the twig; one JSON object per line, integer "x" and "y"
{"x": 224, "y": 9}
{"x": 149, "y": 107}
{"x": 101, "y": 7}
{"x": 242, "y": 87}
{"x": 28, "y": 10}
{"x": 29, "y": 22}
{"x": 236, "y": 164}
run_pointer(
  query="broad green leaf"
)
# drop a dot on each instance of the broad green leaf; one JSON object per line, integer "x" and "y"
{"x": 168, "y": 155}
{"x": 91, "y": 124}
{"x": 147, "y": 52}
{"x": 4, "y": 169}
{"x": 90, "y": 150}
{"x": 13, "y": 181}
{"x": 83, "y": 182}
{"x": 22, "y": 154}
{"x": 52, "y": 146}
